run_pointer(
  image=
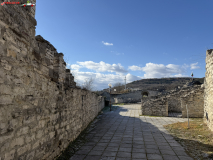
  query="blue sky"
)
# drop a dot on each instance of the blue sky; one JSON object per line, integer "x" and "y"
{"x": 110, "y": 39}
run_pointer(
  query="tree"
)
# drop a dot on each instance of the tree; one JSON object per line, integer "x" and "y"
{"x": 88, "y": 84}
{"x": 119, "y": 87}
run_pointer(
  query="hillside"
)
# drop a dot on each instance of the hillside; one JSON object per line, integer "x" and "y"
{"x": 158, "y": 83}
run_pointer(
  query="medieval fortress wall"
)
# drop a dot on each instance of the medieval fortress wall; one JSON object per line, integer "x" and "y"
{"x": 41, "y": 110}
{"x": 208, "y": 94}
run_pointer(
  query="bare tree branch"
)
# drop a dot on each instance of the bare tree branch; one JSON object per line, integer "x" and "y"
{"x": 88, "y": 84}
{"x": 119, "y": 87}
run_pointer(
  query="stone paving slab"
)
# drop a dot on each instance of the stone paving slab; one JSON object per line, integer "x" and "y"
{"x": 124, "y": 135}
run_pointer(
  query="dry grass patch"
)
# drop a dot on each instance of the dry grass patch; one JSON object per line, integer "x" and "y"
{"x": 197, "y": 140}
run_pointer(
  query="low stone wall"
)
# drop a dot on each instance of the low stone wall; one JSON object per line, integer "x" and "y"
{"x": 131, "y": 97}
{"x": 174, "y": 100}
{"x": 41, "y": 110}
{"x": 208, "y": 94}
{"x": 154, "y": 107}
{"x": 195, "y": 103}
{"x": 171, "y": 102}
{"x": 119, "y": 100}
{"x": 174, "y": 103}
{"x": 125, "y": 100}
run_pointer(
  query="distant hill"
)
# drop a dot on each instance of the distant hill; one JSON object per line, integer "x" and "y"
{"x": 159, "y": 84}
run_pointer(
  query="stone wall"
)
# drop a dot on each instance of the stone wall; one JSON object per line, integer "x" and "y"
{"x": 132, "y": 97}
{"x": 174, "y": 104}
{"x": 195, "y": 103}
{"x": 208, "y": 94}
{"x": 41, "y": 110}
{"x": 173, "y": 98}
{"x": 154, "y": 107}
{"x": 174, "y": 101}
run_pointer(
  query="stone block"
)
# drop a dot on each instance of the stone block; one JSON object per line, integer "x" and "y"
{"x": 29, "y": 138}
{"x": 5, "y": 64}
{"x": 22, "y": 131}
{"x": 6, "y": 99}
{"x": 5, "y": 89}
{"x": 35, "y": 145}
{"x": 52, "y": 134}
{"x": 39, "y": 134}
{"x": 11, "y": 53}
{"x": 31, "y": 155}
{"x": 4, "y": 146}
{"x": 10, "y": 155}
{"x": 29, "y": 119}
{"x": 18, "y": 89}
{"x": 18, "y": 81}
{"x": 3, "y": 127}
{"x": 17, "y": 142}
{"x": 23, "y": 149}
{"x": 42, "y": 123}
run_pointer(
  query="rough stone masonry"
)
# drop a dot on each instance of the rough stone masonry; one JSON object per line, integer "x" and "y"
{"x": 41, "y": 110}
{"x": 175, "y": 101}
{"x": 208, "y": 91}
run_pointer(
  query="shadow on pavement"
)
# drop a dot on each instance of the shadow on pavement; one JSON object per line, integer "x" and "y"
{"x": 124, "y": 135}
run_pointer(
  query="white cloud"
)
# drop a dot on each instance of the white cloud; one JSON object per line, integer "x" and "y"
{"x": 107, "y": 44}
{"x": 102, "y": 67}
{"x": 130, "y": 78}
{"x": 118, "y": 72}
{"x": 160, "y": 70}
{"x": 180, "y": 75}
{"x": 101, "y": 81}
{"x": 75, "y": 67}
{"x": 194, "y": 66}
{"x": 134, "y": 68}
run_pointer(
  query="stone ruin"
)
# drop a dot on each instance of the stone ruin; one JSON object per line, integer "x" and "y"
{"x": 208, "y": 93}
{"x": 130, "y": 97}
{"x": 41, "y": 110}
{"x": 175, "y": 101}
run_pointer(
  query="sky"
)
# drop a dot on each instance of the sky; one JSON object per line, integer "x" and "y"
{"x": 109, "y": 39}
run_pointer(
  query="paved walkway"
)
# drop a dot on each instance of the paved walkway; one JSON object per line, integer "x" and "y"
{"x": 124, "y": 135}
